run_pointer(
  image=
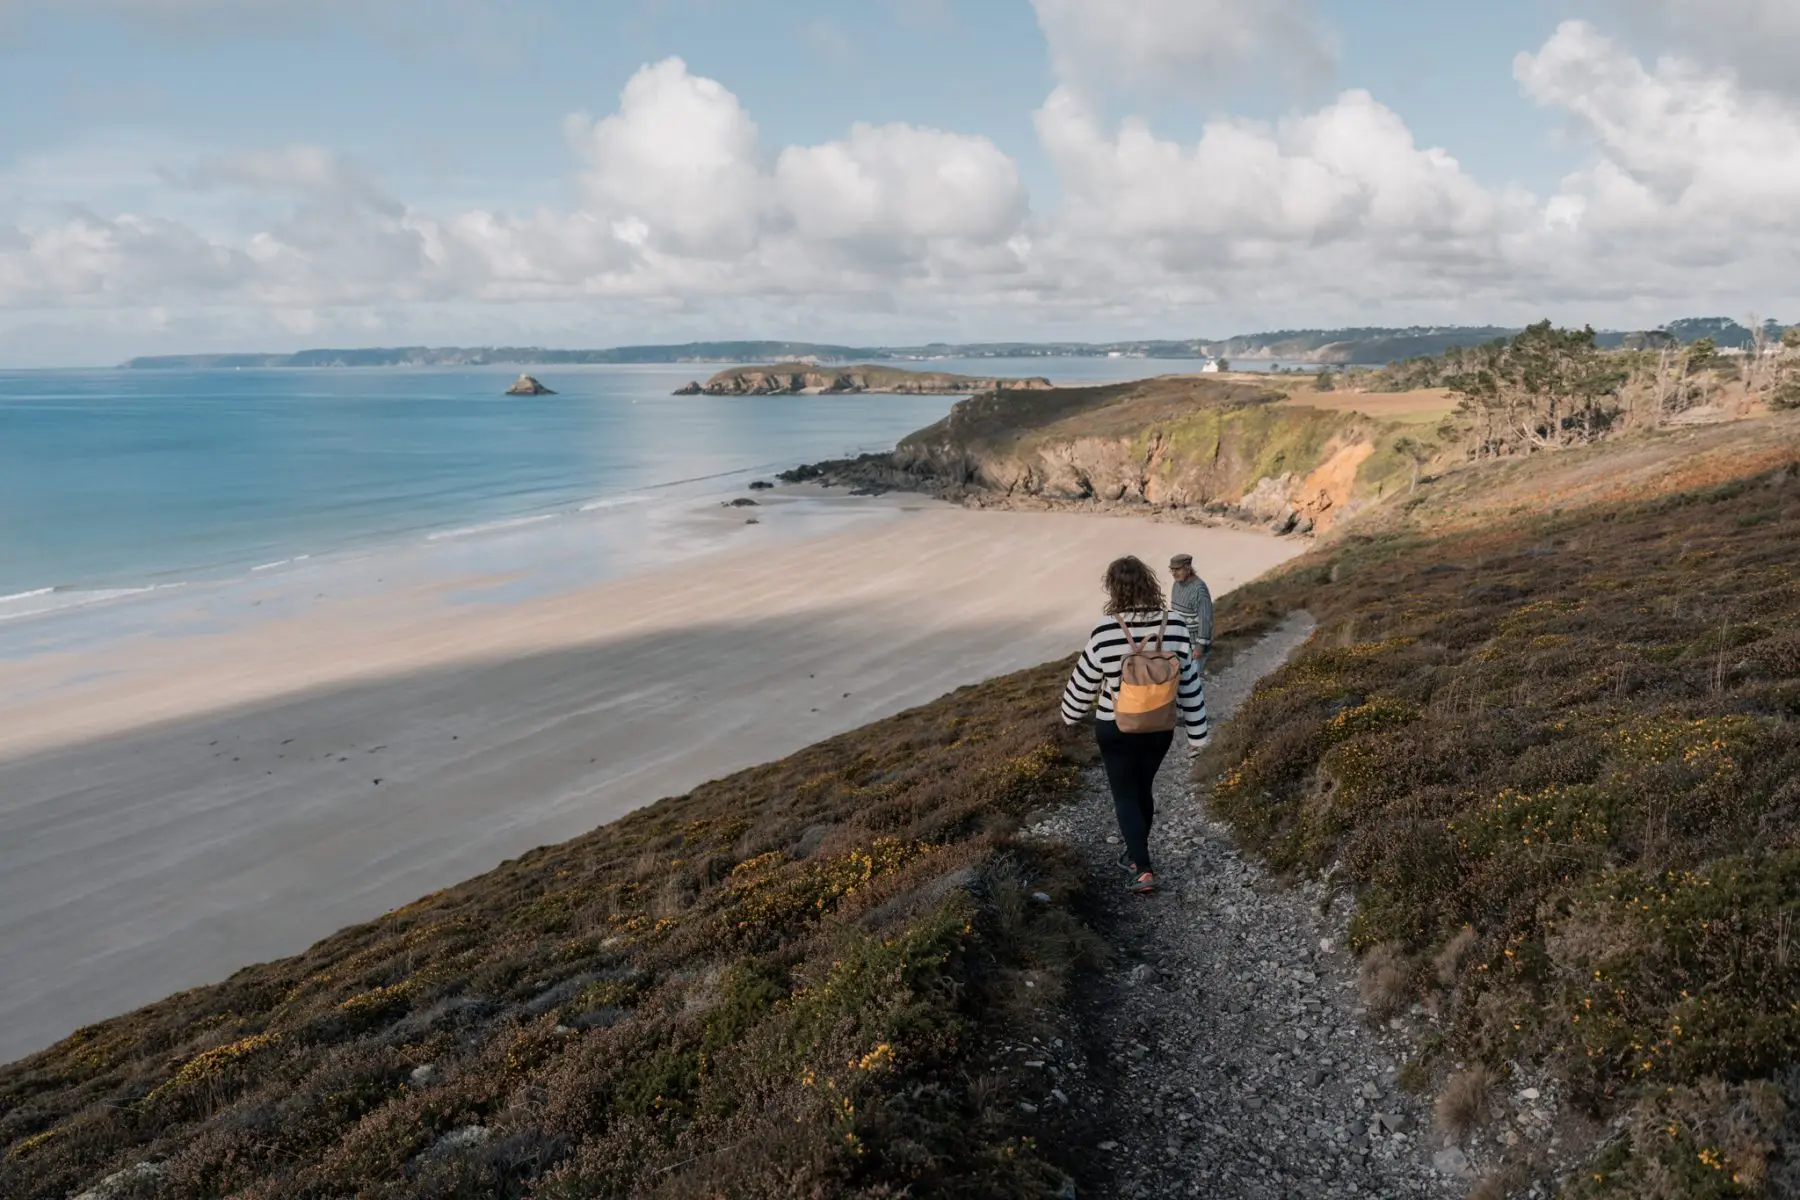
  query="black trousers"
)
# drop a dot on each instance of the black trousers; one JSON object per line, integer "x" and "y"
{"x": 1132, "y": 760}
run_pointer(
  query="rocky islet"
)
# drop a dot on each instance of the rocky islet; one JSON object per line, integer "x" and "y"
{"x": 527, "y": 385}
{"x": 792, "y": 379}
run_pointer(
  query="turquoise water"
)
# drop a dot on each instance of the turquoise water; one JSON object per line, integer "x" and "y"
{"x": 115, "y": 481}
{"x": 118, "y": 478}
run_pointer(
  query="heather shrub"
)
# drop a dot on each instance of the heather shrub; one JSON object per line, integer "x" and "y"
{"x": 1559, "y": 761}
{"x": 770, "y": 986}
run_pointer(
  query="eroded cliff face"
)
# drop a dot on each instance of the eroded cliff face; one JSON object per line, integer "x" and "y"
{"x": 1115, "y": 470}
{"x": 1233, "y": 449}
{"x": 1266, "y": 461}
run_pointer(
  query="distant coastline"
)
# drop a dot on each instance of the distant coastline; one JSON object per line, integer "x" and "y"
{"x": 1372, "y": 346}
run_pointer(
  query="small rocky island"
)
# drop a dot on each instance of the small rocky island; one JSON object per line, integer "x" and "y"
{"x": 526, "y": 385}
{"x": 803, "y": 379}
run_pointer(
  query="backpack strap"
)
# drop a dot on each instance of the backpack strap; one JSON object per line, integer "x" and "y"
{"x": 1106, "y": 683}
{"x": 1126, "y": 630}
{"x": 1161, "y": 631}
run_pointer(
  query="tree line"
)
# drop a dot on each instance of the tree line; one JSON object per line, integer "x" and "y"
{"x": 1549, "y": 388}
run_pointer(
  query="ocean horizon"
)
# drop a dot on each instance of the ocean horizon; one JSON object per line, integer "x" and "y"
{"x": 120, "y": 485}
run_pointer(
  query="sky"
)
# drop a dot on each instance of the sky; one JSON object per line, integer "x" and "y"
{"x": 183, "y": 176}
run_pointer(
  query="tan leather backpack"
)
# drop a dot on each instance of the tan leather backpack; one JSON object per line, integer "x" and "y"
{"x": 1149, "y": 683}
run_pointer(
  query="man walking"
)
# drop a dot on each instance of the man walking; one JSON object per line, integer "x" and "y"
{"x": 1192, "y": 602}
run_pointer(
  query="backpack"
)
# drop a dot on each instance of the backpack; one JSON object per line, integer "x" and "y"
{"x": 1149, "y": 681}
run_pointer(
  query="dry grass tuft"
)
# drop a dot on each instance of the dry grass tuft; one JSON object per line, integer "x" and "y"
{"x": 1466, "y": 1103}
{"x": 1385, "y": 979}
{"x": 1497, "y": 1185}
{"x": 1449, "y": 961}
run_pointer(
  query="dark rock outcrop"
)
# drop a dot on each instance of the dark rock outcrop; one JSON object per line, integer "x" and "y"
{"x": 525, "y": 385}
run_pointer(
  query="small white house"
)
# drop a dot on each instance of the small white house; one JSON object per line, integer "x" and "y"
{"x": 1210, "y": 367}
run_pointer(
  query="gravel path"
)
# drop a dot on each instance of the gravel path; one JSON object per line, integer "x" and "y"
{"x": 1227, "y": 1051}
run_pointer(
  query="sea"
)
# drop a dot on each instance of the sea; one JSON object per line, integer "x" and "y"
{"x": 120, "y": 487}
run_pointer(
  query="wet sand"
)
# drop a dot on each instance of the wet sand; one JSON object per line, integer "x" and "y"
{"x": 177, "y": 807}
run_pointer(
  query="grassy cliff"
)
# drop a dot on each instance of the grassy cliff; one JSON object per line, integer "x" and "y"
{"x": 1178, "y": 440}
{"x": 1557, "y": 758}
{"x": 780, "y": 985}
{"x": 1547, "y": 736}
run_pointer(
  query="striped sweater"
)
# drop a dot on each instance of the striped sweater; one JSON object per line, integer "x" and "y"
{"x": 1096, "y": 678}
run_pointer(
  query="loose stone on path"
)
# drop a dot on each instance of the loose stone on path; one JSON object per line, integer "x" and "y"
{"x": 1226, "y": 1044}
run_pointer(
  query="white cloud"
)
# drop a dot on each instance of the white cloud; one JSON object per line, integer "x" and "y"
{"x": 87, "y": 259}
{"x": 1177, "y": 45}
{"x": 678, "y": 199}
{"x": 313, "y": 173}
{"x": 679, "y": 159}
{"x": 687, "y": 224}
{"x": 1758, "y": 39}
{"x": 898, "y": 182}
{"x": 1692, "y": 191}
{"x": 1348, "y": 171}
{"x": 1680, "y": 151}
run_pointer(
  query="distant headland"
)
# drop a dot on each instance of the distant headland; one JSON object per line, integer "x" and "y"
{"x": 1338, "y": 347}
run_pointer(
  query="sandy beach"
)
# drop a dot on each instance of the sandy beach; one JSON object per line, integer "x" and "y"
{"x": 176, "y": 807}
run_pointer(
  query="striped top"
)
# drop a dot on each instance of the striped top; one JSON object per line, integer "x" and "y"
{"x": 1096, "y": 677}
{"x": 1192, "y": 600}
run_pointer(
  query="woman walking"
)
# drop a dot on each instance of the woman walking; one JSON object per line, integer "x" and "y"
{"x": 1139, "y": 673}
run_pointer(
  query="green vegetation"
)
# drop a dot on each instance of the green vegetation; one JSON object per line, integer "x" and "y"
{"x": 1558, "y": 759}
{"x": 780, "y": 985}
{"x": 1550, "y": 388}
{"x": 1548, "y": 733}
{"x": 1177, "y": 440}
{"x": 1547, "y": 388}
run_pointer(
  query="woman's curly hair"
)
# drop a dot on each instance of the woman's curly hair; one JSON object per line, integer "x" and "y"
{"x": 1132, "y": 587}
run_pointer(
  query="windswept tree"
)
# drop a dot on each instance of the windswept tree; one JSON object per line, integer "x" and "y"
{"x": 1703, "y": 363}
{"x": 1703, "y": 355}
{"x": 1760, "y": 367}
{"x": 1667, "y": 374}
{"x": 1784, "y": 393}
{"x": 1544, "y": 389}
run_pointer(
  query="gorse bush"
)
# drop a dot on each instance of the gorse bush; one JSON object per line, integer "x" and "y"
{"x": 775, "y": 986}
{"x": 1560, "y": 761}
